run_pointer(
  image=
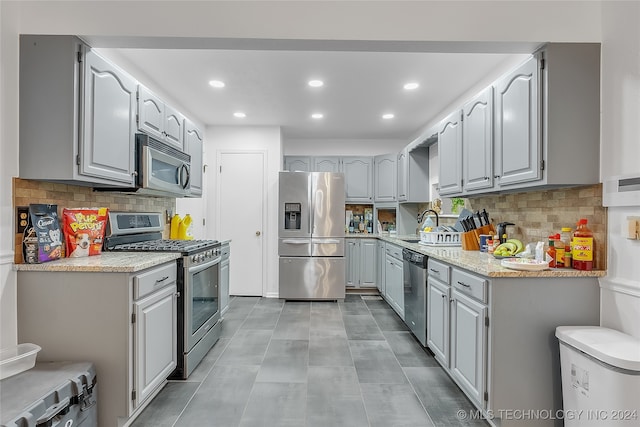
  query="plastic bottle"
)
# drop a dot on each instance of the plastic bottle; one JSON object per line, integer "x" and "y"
{"x": 583, "y": 247}
{"x": 184, "y": 228}
{"x": 559, "y": 246}
{"x": 552, "y": 252}
{"x": 175, "y": 226}
{"x": 566, "y": 239}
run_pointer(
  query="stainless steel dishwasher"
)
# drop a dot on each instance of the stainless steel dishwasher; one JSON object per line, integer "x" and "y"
{"x": 415, "y": 293}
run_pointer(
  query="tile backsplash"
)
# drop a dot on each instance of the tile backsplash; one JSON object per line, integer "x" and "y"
{"x": 538, "y": 214}
{"x": 27, "y": 191}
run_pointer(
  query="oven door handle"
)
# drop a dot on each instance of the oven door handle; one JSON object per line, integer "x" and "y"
{"x": 199, "y": 268}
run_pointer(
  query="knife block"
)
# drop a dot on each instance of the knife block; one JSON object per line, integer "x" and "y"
{"x": 470, "y": 241}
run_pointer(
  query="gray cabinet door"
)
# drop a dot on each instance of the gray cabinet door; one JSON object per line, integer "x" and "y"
{"x": 352, "y": 255}
{"x": 154, "y": 338}
{"x": 107, "y": 149}
{"x": 224, "y": 285}
{"x": 150, "y": 113}
{"x": 450, "y": 154}
{"x": 385, "y": 178}
{"x": 438, "y": 319}
{"x": 402, "y": 175}
{"x": 173, "y": 127}
{"x": 297, "y": 164}
{"x": 380, "y": 267}
{"x": 517, "y": 139}
{"x": 368, "y": 261}
{"x": 468, "y": 345}
{"x": 358, "y": 174}
{"x": 193, "y": 144}
{"x": 477, "y": 141}
{"x": 326, "y": 164}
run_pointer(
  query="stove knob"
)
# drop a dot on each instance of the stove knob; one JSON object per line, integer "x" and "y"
{"x": 200, "y": 257}
{"x": 194, "y": 258}
{"x": 209, "y": 254}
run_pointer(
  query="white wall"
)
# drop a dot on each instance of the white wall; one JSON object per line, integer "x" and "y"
{"x": 342, "y": 147}
{"x": 238, "y": 139}
{"x": 385, "y": 20}
{"x": 619, "y": 155}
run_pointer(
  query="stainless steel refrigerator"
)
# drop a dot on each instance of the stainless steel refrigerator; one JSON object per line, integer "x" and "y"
{"x": 311, "y": 236}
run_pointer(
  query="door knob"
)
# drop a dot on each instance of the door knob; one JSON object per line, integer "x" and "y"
{"x": 257, "y": 233}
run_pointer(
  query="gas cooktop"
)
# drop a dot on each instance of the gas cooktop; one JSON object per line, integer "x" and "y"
{"x": 165, "y": 245}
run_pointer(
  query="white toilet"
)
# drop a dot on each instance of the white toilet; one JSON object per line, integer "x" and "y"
{"x": 600, "y": 377}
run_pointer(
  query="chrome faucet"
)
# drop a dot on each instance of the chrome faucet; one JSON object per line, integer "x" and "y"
{"x": 424, "y": 213}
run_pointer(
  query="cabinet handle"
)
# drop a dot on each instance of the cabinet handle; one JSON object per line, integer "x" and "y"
{"x": 134, "y": 173}
{"x": 434, "y": 270}
{"x": 463, "y": 284}
{"x": 162, "y": 280}
{"x": 444, "y": 296}
{"x": 496, "y": 176}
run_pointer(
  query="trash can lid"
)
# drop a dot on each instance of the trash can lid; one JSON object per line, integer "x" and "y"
{"x": 607, "y": 345}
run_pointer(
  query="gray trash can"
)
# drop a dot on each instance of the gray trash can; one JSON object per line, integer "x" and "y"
{"x": 50, "y": 394}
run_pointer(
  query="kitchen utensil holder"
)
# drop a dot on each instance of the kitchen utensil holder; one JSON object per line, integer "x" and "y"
{"x": 471, "y": 239}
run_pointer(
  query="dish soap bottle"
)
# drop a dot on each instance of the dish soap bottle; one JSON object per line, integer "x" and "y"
{"x": 583, "y": 247}
{"x": 185, "y": 229}
{"x": 175, "y": 226}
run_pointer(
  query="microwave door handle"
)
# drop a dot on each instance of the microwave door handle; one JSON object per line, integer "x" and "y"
{"x": 185, "y": 182}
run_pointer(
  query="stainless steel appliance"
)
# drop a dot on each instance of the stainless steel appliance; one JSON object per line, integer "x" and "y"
{"x": 311, "y": 236}
{"x": 199, "y": 319}
{"x": 415, "y": 293}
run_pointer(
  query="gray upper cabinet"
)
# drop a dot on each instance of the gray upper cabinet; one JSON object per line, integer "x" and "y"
{"x": 385, "y": 178}
{"x": 297, "y": 164}
{"x": 159, "y": 120}
{"x": 77, "y": 114}
{"x": 326, "y": 164}
{"x": 402, "y": 174}
{"x": 518, "y": 147}
{"x": 358, "y": 176}
{"x": 107, "y": 149}
{"x": 193, "y": 145}
{"x": 477, "y": 142}
{"x": 450, "y": 154}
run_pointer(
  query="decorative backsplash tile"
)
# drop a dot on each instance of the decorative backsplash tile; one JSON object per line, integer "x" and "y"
{"x": 26, "y": 192}
{"x": 538, "y": 214}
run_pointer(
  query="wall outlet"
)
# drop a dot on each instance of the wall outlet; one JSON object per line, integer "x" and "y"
{"x": 22, "y": 214}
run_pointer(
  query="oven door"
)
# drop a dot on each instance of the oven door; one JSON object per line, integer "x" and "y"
{"x": 201, "y": 300}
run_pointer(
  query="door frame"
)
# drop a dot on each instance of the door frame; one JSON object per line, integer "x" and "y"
{"x": 265, "y": 204}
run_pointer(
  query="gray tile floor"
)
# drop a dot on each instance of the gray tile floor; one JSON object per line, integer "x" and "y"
{"x": 352, "y": 363}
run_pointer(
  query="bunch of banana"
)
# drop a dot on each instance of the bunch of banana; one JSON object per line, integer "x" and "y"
{"x": 509, "y": 248}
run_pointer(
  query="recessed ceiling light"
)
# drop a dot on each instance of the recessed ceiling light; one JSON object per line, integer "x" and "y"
{"x": 388, "y": 116}
{"x": 411, "y": 86}
{"x": 317, "y": 115}
{"x": 316, "y": 83}
{"x": 239, "y": 114}
{"x": 216, "y": 83}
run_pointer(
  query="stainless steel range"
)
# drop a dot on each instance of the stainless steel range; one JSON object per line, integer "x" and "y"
{"x": 199, "y": 320}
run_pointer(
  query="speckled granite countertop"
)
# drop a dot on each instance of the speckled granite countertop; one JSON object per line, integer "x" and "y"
{"x": 107, "y": 262}
{"x": 475, "y": 261}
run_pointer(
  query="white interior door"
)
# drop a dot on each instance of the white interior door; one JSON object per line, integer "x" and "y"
{"x": 241, "y": 190}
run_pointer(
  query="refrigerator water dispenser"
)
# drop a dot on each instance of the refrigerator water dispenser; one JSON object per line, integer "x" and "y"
{"x": 292, "y": 216}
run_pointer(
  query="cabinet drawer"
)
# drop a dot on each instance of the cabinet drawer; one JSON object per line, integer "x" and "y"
{"x": 394, "y": 251}
{"x": 153, "y": 280}
{"x": 439, "y": 270}
{"x": 469, "y": 284}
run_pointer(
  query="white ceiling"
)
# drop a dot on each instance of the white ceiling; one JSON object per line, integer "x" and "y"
{"x": 270, "y": 86}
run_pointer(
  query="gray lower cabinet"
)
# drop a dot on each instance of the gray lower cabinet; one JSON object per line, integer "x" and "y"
{"x": 77, "y": 114}
{"x": 380, "y": 282}
{"x": 225, "y": 252}
{"x": 125, "y": 323}
{"x": 394, "y": 278}
{"x": 494, "y": 335}
{"x": 193, "y": 146}
{"x": 361, "y": 258}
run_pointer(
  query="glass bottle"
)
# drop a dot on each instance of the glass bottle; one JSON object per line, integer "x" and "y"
{"x": 566, "y": 239}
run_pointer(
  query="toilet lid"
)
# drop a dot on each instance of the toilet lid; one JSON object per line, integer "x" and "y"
{"x": 607, "y": 345}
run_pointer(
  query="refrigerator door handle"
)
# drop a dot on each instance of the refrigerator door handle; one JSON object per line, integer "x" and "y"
{"x": 332, "y": 241}
{"x": 296, "y": 241}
